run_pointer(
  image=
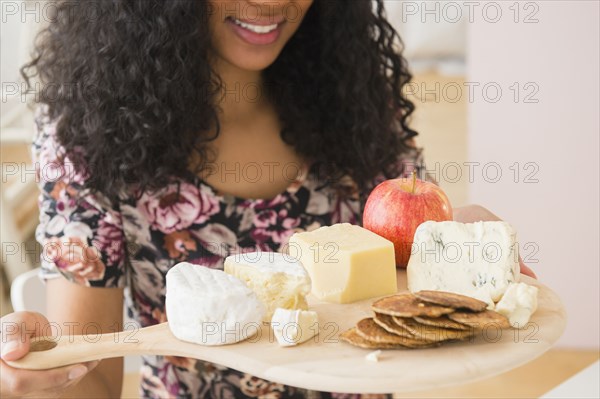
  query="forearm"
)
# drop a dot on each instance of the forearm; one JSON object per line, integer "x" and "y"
{"x": 101, "y": 308}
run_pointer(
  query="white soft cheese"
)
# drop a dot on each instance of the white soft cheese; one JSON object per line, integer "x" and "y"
{"x": 518, "y": 304}
{"x": 292, "y": 327}
{"x": 475, "y": 259}
{"x": 209, "y": 307}
{"x": 278, "y": 280}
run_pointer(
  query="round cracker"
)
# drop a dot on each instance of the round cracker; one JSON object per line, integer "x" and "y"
{"x": 351, "y": 336}
{"x": 481, "y": 320}
{"x": 452, "y": 300}
{"x": 442, "y": 321}
{"x": 432, "y": 333}
{"x": 371, "y": 331}
{"x": 387, "y": 323}
{"x": 407, "y": 305}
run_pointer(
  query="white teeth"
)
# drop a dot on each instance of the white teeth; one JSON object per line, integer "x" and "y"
{"x": 255, "y": 28}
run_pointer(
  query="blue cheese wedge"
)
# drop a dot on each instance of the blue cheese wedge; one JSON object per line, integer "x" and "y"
{"x": 518, "y": 304}
{"x": 208, "y": 307}
{"x": 278, "y": 280}
{"x": 475, "y": 259}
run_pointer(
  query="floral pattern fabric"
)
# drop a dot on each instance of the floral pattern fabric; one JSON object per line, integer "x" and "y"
{"x": 133, "y": 243}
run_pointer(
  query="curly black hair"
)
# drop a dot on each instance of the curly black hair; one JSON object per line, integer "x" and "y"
{"x": 129, "y": 83}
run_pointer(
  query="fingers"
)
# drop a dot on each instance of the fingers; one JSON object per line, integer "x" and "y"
{"x": 73, "y": 256}
{"x": 75, "y": 267}
{"x": 23, "y": 382}
{"x": 527, "y": 271}
{"x": 17, "y": 329}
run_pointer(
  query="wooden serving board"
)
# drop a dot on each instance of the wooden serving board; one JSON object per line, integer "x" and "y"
{"x": 326, "y": 364}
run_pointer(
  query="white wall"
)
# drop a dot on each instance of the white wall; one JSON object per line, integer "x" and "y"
{"x": 559, "y": 134}
{"x": 433, "y": 32}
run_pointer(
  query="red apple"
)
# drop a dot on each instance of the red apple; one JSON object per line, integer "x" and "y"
{"x": 395, "y": 208}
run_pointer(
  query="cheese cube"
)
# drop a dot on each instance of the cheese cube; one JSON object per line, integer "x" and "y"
{"x": 208, "y": 307}
{"x": 278, "y": 280}
{"x": 518, "y": 303}
{"x": 475, "y": 259}
{"x": 292, "y": 327}
{"x": 346, "y": 263}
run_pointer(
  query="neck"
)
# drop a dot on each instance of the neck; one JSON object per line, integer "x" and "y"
{"x": 241, "y": 93}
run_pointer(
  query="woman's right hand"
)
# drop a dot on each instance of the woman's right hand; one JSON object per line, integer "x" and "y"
{"x": 17, "y": 330}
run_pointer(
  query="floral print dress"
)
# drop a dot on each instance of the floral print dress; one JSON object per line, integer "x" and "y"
{"x": 134, "y": 243}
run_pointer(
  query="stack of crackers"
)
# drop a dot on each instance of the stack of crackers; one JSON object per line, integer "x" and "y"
{"x": 422, "y": 320}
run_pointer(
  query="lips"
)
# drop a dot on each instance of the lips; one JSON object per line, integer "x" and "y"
{"x": 257, "y": 32}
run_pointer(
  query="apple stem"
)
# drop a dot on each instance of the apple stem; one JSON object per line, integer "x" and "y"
{"x": 414, "y": 179}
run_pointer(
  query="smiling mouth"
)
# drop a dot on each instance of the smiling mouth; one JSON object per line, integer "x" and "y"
{"x": 258, "y": 29}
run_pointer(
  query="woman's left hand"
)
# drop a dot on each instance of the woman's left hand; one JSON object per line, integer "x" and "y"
{"x": 476, "y": 213}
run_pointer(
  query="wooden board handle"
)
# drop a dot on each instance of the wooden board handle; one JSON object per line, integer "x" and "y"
{"x": 50, "y": 352}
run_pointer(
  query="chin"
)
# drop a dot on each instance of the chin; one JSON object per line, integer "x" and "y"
{"x": 253, "y": 44}
{"x": 254, "y": 60}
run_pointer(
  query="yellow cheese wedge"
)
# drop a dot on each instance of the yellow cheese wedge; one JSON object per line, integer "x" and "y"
{"x": 346, "y": 263}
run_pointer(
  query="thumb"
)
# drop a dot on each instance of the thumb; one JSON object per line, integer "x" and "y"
{"x": 15, "y": 349}
{"x": 17, "y": 330}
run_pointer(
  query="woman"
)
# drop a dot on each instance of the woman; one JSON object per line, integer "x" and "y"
{"x": 191, "y": 130}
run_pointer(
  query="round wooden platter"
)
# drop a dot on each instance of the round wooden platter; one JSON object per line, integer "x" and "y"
{"x": 324, "y": 363}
